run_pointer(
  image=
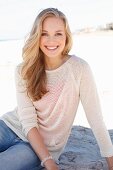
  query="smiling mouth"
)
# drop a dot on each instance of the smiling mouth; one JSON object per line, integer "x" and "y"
{"x": 52, "y": 48}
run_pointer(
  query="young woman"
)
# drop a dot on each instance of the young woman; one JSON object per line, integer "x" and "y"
{"x": 49, "y": 85}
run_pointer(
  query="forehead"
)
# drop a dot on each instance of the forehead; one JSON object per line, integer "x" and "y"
{"x": 53, "y": 23}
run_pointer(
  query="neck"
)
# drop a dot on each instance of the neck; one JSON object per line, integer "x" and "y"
{"x": 53, "y": 63}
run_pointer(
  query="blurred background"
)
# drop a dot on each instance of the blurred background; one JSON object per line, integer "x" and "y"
{"x": 91, "y": 23}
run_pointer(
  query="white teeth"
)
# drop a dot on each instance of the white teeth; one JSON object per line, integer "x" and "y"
{"x": 51, "y": 48}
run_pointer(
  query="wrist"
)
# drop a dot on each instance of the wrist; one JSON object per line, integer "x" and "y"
{"x": 51, "y": 165}
{"x": 110, "y": 162}
{"x": 43, "y": 162}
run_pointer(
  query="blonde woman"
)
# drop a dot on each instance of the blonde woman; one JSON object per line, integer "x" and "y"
{"x": 49, "y": 85}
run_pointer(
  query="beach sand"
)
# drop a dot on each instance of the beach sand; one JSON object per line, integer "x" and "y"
{"x": 82, "y": 151}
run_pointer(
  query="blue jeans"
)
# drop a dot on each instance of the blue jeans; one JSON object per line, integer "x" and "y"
{"x": 15, "y": 154}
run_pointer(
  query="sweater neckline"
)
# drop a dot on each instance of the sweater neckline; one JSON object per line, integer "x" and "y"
{"x": 60, "y": 67}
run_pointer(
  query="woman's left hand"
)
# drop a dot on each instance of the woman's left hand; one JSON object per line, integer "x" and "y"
{"x": 110, "y": 162}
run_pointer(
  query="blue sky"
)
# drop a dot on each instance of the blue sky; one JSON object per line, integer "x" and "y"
{"x": 17, "y": 16}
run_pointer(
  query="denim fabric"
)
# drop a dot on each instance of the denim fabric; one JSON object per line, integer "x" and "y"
{"x": 15, "y": 154}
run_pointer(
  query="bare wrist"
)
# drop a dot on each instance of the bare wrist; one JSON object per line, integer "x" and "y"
{"x": 51, "y": 165}
{"x": 45, "y": 160}
{"x": 110, "y": 162}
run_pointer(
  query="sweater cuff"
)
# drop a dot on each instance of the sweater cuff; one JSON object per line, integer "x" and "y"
{"x": 107, "y": 153}
{"x": 29, "y": 128}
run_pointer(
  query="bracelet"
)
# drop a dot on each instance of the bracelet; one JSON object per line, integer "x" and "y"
{"x": 45, "y": 159}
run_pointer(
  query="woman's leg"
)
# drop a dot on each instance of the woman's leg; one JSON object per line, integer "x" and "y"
{"x": 16, "y": 154}
{"x": 19, "y": 157}
{"x": 7, "y": 136}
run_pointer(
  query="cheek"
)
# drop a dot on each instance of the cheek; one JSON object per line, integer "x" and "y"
{"x": 60, "y": 40}
{"x": 64, "y": 42}
{"x": 42, "y": 41}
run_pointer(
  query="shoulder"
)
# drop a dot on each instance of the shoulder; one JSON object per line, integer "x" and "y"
{"x": 18, "y": 69}
{"x": 81, "y": 69}
{"x": 19, "y": 66}
{"x": 78, "y": 63}
{"x": 20, "y": 82}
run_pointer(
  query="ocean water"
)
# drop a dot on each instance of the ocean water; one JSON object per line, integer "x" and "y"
{"x": 97, "y": 50}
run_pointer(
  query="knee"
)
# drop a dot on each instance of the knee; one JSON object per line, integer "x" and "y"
{"x": 2, "y": 131}
{"x": 3, "y": 136}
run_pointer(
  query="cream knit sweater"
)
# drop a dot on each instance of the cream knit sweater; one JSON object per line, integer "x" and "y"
{"x": 54, "y": 114}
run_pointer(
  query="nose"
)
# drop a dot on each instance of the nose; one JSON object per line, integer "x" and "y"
{"x": 51, "y": 39}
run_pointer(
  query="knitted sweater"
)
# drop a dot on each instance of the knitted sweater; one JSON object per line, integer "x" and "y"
{"x": 53, "y": 115}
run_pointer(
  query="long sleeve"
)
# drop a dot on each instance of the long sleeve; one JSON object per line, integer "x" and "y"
{"x": 90, "y": 101}
{"x": 26, "y": 110}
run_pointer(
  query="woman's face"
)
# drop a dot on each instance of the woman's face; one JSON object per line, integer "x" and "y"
{"x": 53, "y": 37}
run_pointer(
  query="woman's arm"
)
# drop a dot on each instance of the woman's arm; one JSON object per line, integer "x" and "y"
{"x": 110, "y": 162}
{"x": 28, "y": 118}
{"x": 40, "y": 149}
{"x": 91, "y": 104}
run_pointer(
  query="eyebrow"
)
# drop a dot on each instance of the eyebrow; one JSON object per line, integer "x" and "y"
{"x": 55, "y": 31}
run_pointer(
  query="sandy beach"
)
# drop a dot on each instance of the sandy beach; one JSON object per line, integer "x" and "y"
{"x": 95, "y": 48}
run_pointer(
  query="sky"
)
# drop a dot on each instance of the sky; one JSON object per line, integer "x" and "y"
{"x": 17, "y": 16}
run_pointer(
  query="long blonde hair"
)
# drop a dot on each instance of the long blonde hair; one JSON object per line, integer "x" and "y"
{"x": 33, "y": 67}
